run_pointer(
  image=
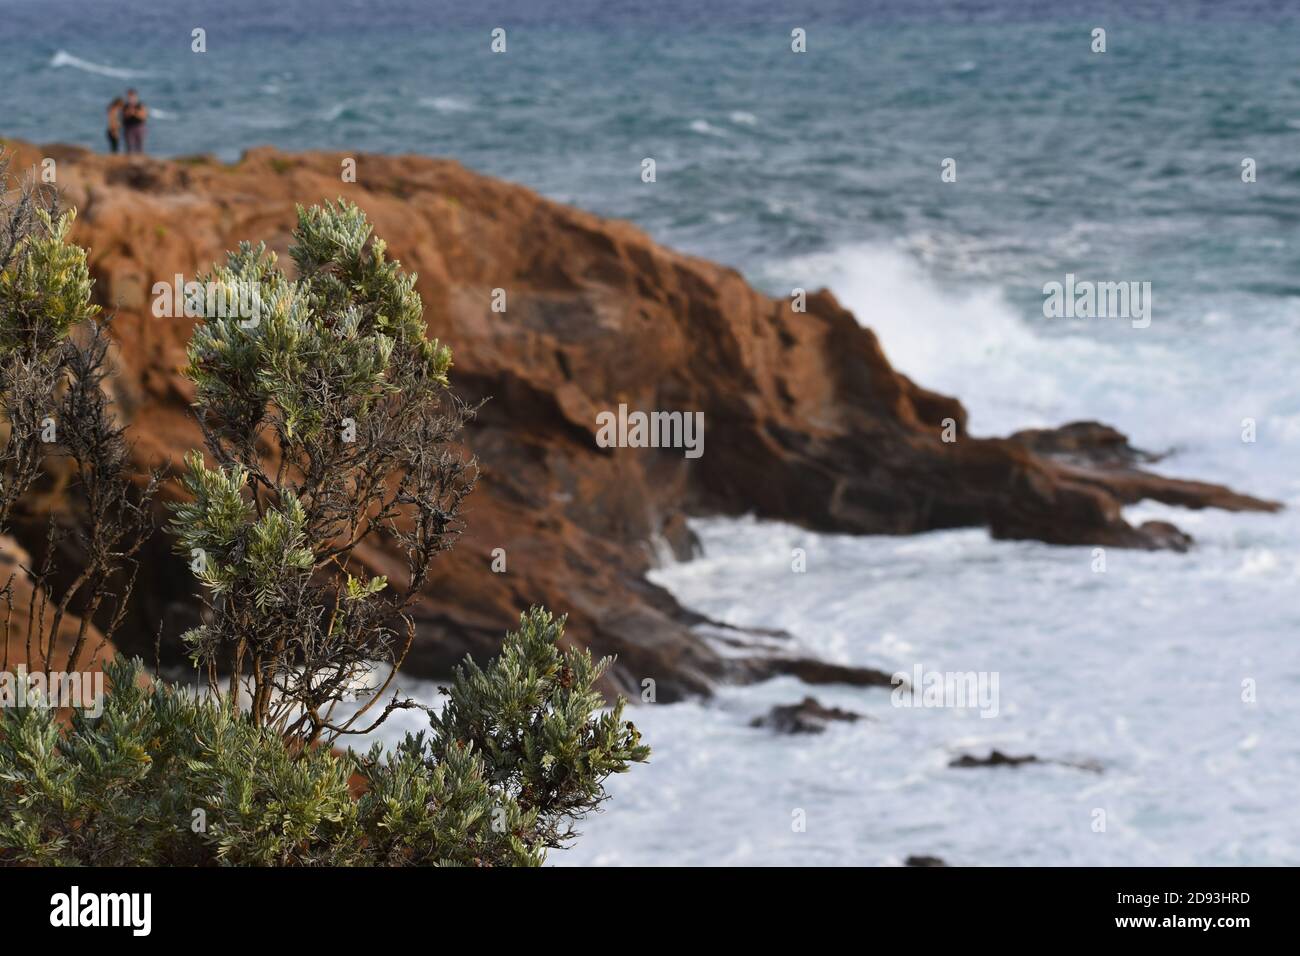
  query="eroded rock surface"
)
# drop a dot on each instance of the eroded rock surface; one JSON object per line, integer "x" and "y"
{"x": 805, "y": 419}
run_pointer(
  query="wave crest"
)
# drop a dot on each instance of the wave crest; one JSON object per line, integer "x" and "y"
{"x": 63, "y": 58}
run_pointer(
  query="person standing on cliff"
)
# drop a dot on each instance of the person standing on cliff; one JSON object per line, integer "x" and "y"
{"x": 134, "y": 115}
{"x": 114, "y": 124}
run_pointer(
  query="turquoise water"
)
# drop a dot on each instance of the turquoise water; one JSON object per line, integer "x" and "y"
{"x": 761, "y": 153}
{"x": 824, "y": 168}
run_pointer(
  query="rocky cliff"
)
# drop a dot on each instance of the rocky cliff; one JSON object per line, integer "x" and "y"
{"x": 805, "y": 419}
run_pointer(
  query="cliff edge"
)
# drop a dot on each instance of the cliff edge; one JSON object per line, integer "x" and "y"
{"x": 805, "y": 420}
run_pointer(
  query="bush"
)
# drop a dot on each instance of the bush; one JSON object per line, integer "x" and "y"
{"x": 54, "y": 412}
{"x": 167, "y": 777}
{"x": 329, "y": 423}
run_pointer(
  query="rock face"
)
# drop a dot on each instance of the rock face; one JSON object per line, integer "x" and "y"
{"x": 804, "y": 418}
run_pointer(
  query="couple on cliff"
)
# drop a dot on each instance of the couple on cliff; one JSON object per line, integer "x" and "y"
{"x": 126, "y": 119}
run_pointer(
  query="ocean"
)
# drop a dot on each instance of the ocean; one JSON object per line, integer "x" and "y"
{"x": 824, "y": 168}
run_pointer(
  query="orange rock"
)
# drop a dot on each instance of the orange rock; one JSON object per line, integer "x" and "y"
{"x": 805, "y": 419}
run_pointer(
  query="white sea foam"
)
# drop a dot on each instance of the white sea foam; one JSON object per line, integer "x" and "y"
{"x": 446, "y": 104}
{"x": 63, "y": 58}
{"x": 705, "y": 128}
{"x": 1140, "y": 669}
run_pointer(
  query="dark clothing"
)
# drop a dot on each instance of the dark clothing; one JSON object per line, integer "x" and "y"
{"x": 112, "y": 141}
{"x": 133, "y": 120}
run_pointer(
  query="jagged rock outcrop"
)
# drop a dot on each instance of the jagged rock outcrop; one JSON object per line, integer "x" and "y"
{"x": 805, "y": 419}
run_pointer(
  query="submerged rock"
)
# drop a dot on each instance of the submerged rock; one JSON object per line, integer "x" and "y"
{"x": 809, "y": 716}
{"x": 995, "y": 758}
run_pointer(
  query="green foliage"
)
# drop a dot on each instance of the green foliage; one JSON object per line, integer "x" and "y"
{"x": 328, "y": 421}
{"x": 133, "y": 786}
{"x": 44, "y": 288}
{"x": 166, "y": 777}
{"x": 236, "y": 544}
{"x": 247, "y": 775}
{"x": 529, "y": 713}
{"x": 348, "y": 330}
{"x": 53, "y": 361}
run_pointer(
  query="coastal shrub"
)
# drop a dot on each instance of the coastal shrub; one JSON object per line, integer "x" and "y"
{"x": 168, "y": 777}
{"x": 56, "y": 418}
{"x": 329, "y": 424}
